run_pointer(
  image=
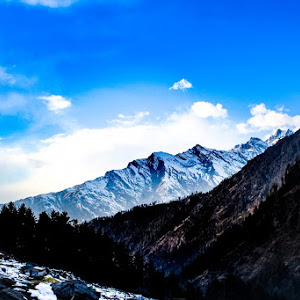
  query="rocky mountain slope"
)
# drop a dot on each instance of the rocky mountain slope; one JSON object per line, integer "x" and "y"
{"x": 264, "y": 250}
{"x": 161, "y": 177}
{"x": 174, "y": 234}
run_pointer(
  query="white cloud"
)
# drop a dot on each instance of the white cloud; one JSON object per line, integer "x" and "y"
{"x": 26, "y": 108}
{"x": 56, "y": 102}
{"x": 259, "y": 109}
{"x": 64, "y": 160}
{"x": 183, "y": 84}
{"x": 268, "y": 119}
{"x": 130, "y": 120}
{"x": 50, "y": 3}
{"x": 205, "y": 109}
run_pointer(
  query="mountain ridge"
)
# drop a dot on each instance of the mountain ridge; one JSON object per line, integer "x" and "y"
{"x": 161, "y": 177}
{"x": 175, "y": 233}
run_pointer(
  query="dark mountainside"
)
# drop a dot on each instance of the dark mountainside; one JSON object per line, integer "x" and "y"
{"x": 175, "y": 234}
{"x": 265, "y": 249}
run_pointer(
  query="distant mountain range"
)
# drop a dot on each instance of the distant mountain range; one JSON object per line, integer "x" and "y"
{"x": 161, "y": 177}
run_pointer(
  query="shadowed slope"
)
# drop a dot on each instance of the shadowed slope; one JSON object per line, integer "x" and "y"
{"x": 176, "y": 233}
{"x": 264, "y": 250}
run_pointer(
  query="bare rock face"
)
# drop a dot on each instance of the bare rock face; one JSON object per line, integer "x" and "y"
{"x": 74, "y": 289}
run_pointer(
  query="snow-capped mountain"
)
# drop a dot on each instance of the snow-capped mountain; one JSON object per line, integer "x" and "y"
{"x": 161, "y": 177}
{"x": 279, "y": 134}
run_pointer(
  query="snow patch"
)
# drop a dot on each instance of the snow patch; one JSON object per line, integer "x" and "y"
{"x": 43, "y": 291}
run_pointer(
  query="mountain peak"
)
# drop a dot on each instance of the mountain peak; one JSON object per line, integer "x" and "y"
{"x": 289, "y": 132}
{"x": 278, "y": 135}
{"x": 254, "y": 142}
{"x": 197, "y": 148}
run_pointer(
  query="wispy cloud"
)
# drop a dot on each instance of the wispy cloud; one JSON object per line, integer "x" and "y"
{"x": 50, "y": 3}
{"x": 6, "y": 78}
{"x": 264, "y": 118}
{"x": 183, "y": 84}
{"x": 56, "y": 102}
{"x": 12, "y": 103}
{"x": 130, "y": 120}
{"x": 28, "y": 110}
{"x": 67, "y": 3}
{"x": 17, "y": 80}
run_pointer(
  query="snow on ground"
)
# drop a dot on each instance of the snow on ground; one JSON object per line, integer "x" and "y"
{"x": 42, "y": 290}
{"x": 110, "y": 293}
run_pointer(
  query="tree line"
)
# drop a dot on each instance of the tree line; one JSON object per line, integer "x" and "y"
{"x": 55, "y": 241}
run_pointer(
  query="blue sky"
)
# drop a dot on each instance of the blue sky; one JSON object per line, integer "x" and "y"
{"x": 85, "y": 85}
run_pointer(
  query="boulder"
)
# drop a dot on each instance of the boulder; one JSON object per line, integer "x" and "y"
{"x": 5, "y": 283}
{"x": 75, "y": 290}
{"x": 10, "y": 294}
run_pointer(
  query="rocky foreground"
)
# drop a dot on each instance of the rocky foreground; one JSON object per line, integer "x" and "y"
{"x": 58, "y": 284}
